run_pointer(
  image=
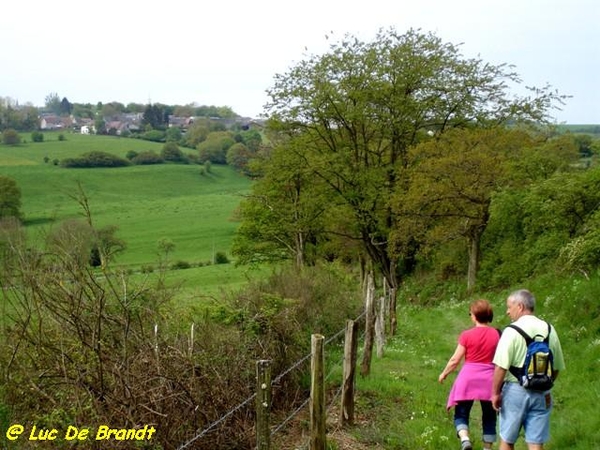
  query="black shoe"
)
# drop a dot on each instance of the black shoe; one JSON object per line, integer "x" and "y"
{"x": 466, "y": 445}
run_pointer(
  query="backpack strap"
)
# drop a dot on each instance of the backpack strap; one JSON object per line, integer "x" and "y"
{"x": 528, "y": 339}
{"x": 547, "y": 340}
{"x": 516, "y": 371}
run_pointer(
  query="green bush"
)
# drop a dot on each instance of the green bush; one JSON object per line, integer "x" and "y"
{"x": 221, "y": 258}
{"x": 95, "y": 159}
{"x": 146, "y": 158}
{"x": 215, "y": 147}
{"x": 173, "y": 134}
{"x": 180, "y": 265}
{"x": 171, "y": 152}
{"x": 11, "y": 137}
{"x": 154, "y": 136}
{"x": 238, "y": 156}
{"x": 293, "y": 304}
{"x": 37, "y": 136}
{"x": 131, "y": 154}
{"x": 147, "y": 268}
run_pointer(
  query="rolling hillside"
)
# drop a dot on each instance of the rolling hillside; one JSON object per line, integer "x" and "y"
{"x": 147, "y": 203}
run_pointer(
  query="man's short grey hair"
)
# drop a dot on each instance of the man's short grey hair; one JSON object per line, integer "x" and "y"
{"x": 525, "y": 298}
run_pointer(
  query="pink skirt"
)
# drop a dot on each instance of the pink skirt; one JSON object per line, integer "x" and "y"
{"x": 473, "y": 382}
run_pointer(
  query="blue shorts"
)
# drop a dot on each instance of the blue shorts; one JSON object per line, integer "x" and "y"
{"x": 527, "y": 409}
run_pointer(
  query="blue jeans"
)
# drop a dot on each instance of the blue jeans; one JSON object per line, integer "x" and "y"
{"x": 462, "y": 411}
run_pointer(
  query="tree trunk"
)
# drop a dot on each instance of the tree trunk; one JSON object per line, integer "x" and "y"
{"x": 380, "y": 259}
{"x": 299, "y": 250}
{"x": 365, "y": 367}
{"x": 474, "y": 241}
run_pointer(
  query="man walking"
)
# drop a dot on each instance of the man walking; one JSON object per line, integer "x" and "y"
{"x": 521, "y": 407}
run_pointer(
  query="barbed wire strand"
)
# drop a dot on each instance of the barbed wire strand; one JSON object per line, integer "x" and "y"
{"x": 290, "y": 417}
{"x": 296, "y": 364}
{"x": 217, "y": 422}
{"x": 306, "y": 357}
{"x": 334, "y": 398}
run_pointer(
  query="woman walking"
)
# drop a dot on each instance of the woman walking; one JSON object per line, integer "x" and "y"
{"x": 476, "y": 346}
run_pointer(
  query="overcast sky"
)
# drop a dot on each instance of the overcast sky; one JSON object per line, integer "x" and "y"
{"x": 227, "y": 52}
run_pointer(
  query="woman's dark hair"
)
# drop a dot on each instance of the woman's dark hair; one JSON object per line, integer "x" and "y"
{"x": 482, "y": 310}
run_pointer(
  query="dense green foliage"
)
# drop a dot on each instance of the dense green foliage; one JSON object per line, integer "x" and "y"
{"x": 10, "y": 198}
{"x": 154, "y": 136}
{"x": 551, "y": 224}
{"x": 215, "y": 147}
{"x": 11, "y": 137}
{"x": 343, "y": 123}
{"x": 172, "y": 153}
{"x": 95, "y": 159}
{"x": 22, "y": 118}
{"x": 37, "y": 136}
{"x": 147, "y": 157}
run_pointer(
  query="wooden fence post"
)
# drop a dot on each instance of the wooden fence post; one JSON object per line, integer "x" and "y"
{"x": 365, "y": 367}
{"x": 263, "y": 404}
{"x": 318, "y": 440}
{"x": 392, "y": 311}
{"x": 380, "y": 327}
{"x": 350, "y": 351}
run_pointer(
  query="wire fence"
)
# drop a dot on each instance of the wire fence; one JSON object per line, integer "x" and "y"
{"x": 274, "y": 382}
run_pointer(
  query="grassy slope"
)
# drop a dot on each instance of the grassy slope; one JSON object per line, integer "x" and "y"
{"x": 402, "y": 406}
{"x": 147, "y": 203}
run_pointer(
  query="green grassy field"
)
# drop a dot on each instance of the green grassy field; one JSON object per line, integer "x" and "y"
{"x": 146, "y": 203}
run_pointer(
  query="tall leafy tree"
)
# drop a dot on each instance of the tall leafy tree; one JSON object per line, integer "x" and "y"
{"x": 23, "y": 118}
{"x": 283, "y": 217}
{"x": 197, "y": 132}
{"x": 155, "y": 116}
{"x": 452, "y": 181}
{"x": 65, "y": 107}
{"x": 52, "y": 102}
{"x": 214, "y": 148}
{"x": 359, "y": 109}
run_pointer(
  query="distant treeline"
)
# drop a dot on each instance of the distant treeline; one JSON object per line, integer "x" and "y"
{"x": 583, "y": 129}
